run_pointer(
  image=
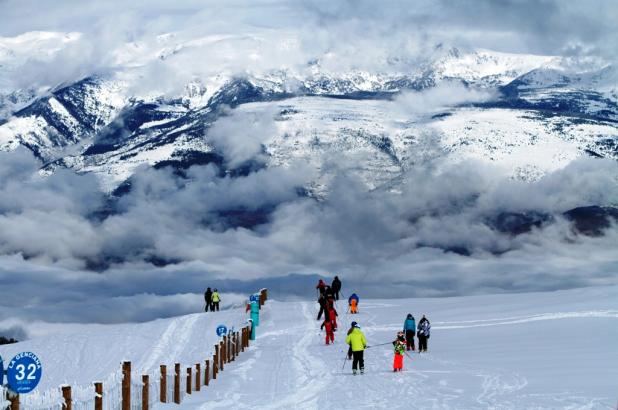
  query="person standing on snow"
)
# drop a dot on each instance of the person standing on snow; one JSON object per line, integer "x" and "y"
{"x": 208, "y": 299}
{"x": 323, "y": 307}
{"x": 423, "y": 331}
{"x": 321, "y": 286}
{"x": 353, "y": 302}
{"x": 400, "y": 350}
{"x": 409, "y": 327}
{"x": 357, "y": 342}
{"x": 328, "y": 326}
{"x": 336, "y": 287}
{"x": 332, "y": 315}
{"x": 215, "y": 299}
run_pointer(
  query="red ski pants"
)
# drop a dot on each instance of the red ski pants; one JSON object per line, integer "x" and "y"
{"x": 330, "y": 336}
{"x": 398, "y": 362}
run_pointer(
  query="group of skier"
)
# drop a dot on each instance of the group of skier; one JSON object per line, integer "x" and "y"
{"x": 212, "y": 299}
{"x": 355, "y": 339}
{"x": 405, "y": 339}
{"x": 327, "y": 295}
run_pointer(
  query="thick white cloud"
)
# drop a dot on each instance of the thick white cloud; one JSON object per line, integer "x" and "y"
{"x": 381, "y": 243}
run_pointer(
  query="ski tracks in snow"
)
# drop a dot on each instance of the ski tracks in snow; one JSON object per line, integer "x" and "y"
{"x": 311, "y": 377}
{"x": 177, "y": 335}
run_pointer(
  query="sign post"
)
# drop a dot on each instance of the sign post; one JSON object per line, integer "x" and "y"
{"x": 255, "y": 313}
{"x": 24, "y": 372}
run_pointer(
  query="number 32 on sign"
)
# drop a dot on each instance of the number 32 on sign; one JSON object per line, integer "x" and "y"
{"x": 23, "y": 372}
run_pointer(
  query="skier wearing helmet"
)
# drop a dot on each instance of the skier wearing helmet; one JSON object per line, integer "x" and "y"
{"x": 357, "y": 342}
{"x": 400, "y": 350}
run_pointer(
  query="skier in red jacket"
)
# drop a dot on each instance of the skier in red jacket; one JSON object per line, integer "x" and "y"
{"x": 332, "y": 315}
{"x": 328, "y": 326}
{"x": 321, "y": 286}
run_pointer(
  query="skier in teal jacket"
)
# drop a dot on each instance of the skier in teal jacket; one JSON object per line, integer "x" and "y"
{"x": 409, "y": 328}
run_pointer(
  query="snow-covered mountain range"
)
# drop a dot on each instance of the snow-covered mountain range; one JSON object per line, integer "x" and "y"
{"x": 530, "y": 113}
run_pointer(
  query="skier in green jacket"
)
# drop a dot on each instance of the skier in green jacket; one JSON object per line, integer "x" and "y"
{"x": 400, "y": 349}
{"x": 358, "y": 343}
{"x": 216, "y": 299}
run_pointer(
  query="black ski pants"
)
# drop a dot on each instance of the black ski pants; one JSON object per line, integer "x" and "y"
{"x": 215, "y": 306}
{"x": 410, "y": 339}
{"x": 322, "y": 311}
{"x": 422, "y": 343}
{"x": 357, "y": 359}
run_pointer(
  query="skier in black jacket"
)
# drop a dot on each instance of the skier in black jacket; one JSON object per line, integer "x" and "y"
{"x": 336, "y": 287}
{"x": 423, "y": 332}
{"x": 323, "y": 306}
{"x": 208, "y": 299}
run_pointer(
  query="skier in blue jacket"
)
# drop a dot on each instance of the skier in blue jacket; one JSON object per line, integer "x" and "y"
{"x": 409, "y": 328}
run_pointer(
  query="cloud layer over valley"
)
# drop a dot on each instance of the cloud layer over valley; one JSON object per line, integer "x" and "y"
{"x": 445, "y": 148}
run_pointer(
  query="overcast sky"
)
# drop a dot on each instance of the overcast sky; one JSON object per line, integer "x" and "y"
{"x": 287, "y": 34}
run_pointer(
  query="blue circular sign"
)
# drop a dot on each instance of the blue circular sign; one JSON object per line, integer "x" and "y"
{"x": 221, "y": 330}
{"x": 254, "y": 298}
{"x": 23, "y": 373}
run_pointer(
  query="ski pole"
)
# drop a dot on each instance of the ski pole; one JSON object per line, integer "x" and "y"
{"x": 381, "y": 344}
{"x": 344, "y": 361}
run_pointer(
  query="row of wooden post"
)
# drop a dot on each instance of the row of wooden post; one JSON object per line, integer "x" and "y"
{"x": 226, "y": 351}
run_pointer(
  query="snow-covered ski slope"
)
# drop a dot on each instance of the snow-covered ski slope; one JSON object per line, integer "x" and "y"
{"x": 518, "y": 351}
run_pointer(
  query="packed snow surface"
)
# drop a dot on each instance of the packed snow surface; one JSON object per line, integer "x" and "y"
{"x": 516, "y": 351}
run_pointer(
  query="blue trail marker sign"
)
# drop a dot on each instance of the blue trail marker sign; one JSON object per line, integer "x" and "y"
{"x": 24, "y": 372}
{"x": 221, "y": 330}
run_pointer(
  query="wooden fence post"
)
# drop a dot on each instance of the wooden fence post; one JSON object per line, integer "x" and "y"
{"x": 262, "y": 300}
{"x": 222, "y": 351}
{"x": 98, "y": 397}
{"x": 66, "y": 395}
{"x": 189, "y": 380}
{"x": 145, "y": 391}
{"x": 265, "y": 294}
{"x": 215, "y": 363}
{"x": 237, "y": 341}
{"x": 163, "y": 384}
{"x": 228, "y": 350}
{"x": 13, "y": 399}
{"x": 126, "y": 386}
{"x": 206, "y": 372}
{"x": 198, "y": 377}
{"x": 177, "y": 383}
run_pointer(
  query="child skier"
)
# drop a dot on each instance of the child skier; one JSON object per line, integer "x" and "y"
{"x": 353, "y": 306}
{"x": 328, "y": 327}
{"x": 400, "y": 350}
{"x": 332, "y": 315}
